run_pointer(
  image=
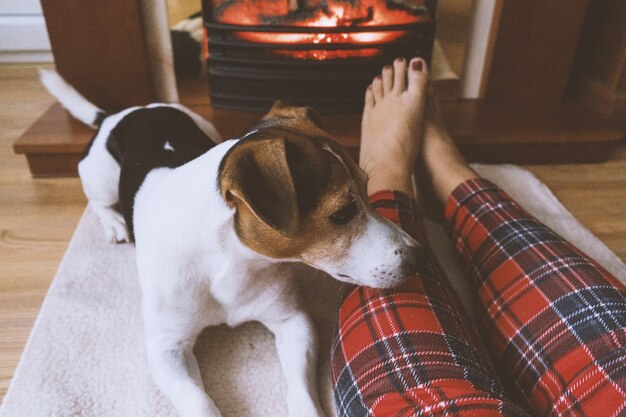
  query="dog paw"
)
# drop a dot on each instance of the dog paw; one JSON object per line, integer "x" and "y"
{"x": 120, "y": 234}
{"x": 115, "y": 229}
{"x": 113, "y": 223}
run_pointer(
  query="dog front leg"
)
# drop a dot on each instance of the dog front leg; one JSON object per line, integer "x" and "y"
{"x": 175, "y": 370}
{"x": 115, "y": 229}
{"x": 297, "y": 345}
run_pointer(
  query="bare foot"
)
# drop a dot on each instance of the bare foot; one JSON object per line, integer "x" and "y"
{"x": 442, "y": 162}
{"x": 392, "y": 125}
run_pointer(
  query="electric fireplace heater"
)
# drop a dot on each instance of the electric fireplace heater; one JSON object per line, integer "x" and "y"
{"x": 321, "y": 53}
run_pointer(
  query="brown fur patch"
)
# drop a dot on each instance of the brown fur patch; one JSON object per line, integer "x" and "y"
{"x": 282, "y": 110}
{"x": 285, "y": 186}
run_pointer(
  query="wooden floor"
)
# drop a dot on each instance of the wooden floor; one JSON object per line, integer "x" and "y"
{"x": 38, "y": 217}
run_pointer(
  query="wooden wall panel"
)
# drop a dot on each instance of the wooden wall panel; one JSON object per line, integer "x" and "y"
{"x": 99, "y": 47}
{"x": 534, "y": 50}
{"x": 599, "y": 76}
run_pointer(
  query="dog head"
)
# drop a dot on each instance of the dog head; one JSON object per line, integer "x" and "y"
{"x": 298, "y": 196}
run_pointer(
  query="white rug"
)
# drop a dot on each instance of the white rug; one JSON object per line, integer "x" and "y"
{"x": 85, "y": 355}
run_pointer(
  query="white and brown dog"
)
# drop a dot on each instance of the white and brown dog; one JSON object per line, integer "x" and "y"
{"x": 217, "y": 228}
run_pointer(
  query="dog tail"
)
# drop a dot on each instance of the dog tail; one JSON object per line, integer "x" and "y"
{"x": 72, "y": 100}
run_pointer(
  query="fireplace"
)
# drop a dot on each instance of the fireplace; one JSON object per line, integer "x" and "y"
{"x": 321, "y": 53}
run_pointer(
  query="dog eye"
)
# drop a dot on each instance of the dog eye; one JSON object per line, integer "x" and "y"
{"x": 344, "y": 215}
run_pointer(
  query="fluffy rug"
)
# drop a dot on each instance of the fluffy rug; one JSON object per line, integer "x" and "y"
{"x": 85, "y": 355}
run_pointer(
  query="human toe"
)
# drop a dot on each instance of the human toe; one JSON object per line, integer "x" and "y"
{"x": 387, "y": 76}
{"x": 418, "y": 74}
{"x": 399, "y": 73}
{"x": 369, "y": 97}
{"x": 377, "y": 88}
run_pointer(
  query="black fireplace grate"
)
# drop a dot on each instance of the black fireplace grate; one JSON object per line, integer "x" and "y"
{"x": 251, "y": 75}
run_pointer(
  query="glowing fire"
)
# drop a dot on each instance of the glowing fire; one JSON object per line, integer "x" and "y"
{"x": 368, "y": 13}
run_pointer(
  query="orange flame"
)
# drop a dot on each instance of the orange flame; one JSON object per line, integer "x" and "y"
{"x": 252, "y": 13}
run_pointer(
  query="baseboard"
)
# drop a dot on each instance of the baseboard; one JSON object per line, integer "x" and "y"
{"x": 24, "y": 37}
{"x": 12, "y": 57}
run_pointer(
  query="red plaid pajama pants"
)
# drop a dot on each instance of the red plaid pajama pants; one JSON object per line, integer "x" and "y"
{"x": 554, "y": 322}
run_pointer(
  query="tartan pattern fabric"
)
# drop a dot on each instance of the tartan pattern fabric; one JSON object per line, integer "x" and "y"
{"x": 553, "y": 318}
{"x": 410, "y": 351}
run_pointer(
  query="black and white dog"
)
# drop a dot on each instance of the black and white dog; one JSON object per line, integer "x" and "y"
{"x": 218, "y": 227}
{"x": 126, "y": 147}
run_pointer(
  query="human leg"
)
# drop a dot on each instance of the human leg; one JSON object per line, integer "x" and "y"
{"x": 554, "y": 318}
{"x": 411, "y": 350}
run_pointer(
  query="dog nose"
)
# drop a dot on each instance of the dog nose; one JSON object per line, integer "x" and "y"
{"x": 416, "y": 260}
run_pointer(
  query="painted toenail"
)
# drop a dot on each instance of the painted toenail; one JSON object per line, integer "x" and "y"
{"x": 399, "y": 59}
{"x": 387, "y": 67}
{"x": 378, "y": 77}
{"x": 417, "y": 65}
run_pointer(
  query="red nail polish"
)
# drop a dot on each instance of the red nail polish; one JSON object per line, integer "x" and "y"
{"x": 417, "y": 65}
{"x": 378, "y": 77}
{"x": 387, "y": 67}
{"x": 400, "y": 59}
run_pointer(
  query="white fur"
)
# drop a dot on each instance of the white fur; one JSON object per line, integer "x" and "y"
{"x": 375, "y": 258}
{"x": 252, "y": 132}
{"x": 194, "y": 26}
{"x": 335, "y": 154}
{"x": 71, "y": 99}
{"x": 195, "y": 272}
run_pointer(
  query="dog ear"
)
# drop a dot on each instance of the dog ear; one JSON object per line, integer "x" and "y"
{"x": 285, "y": 111}
{"x": 260, "y": 178}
